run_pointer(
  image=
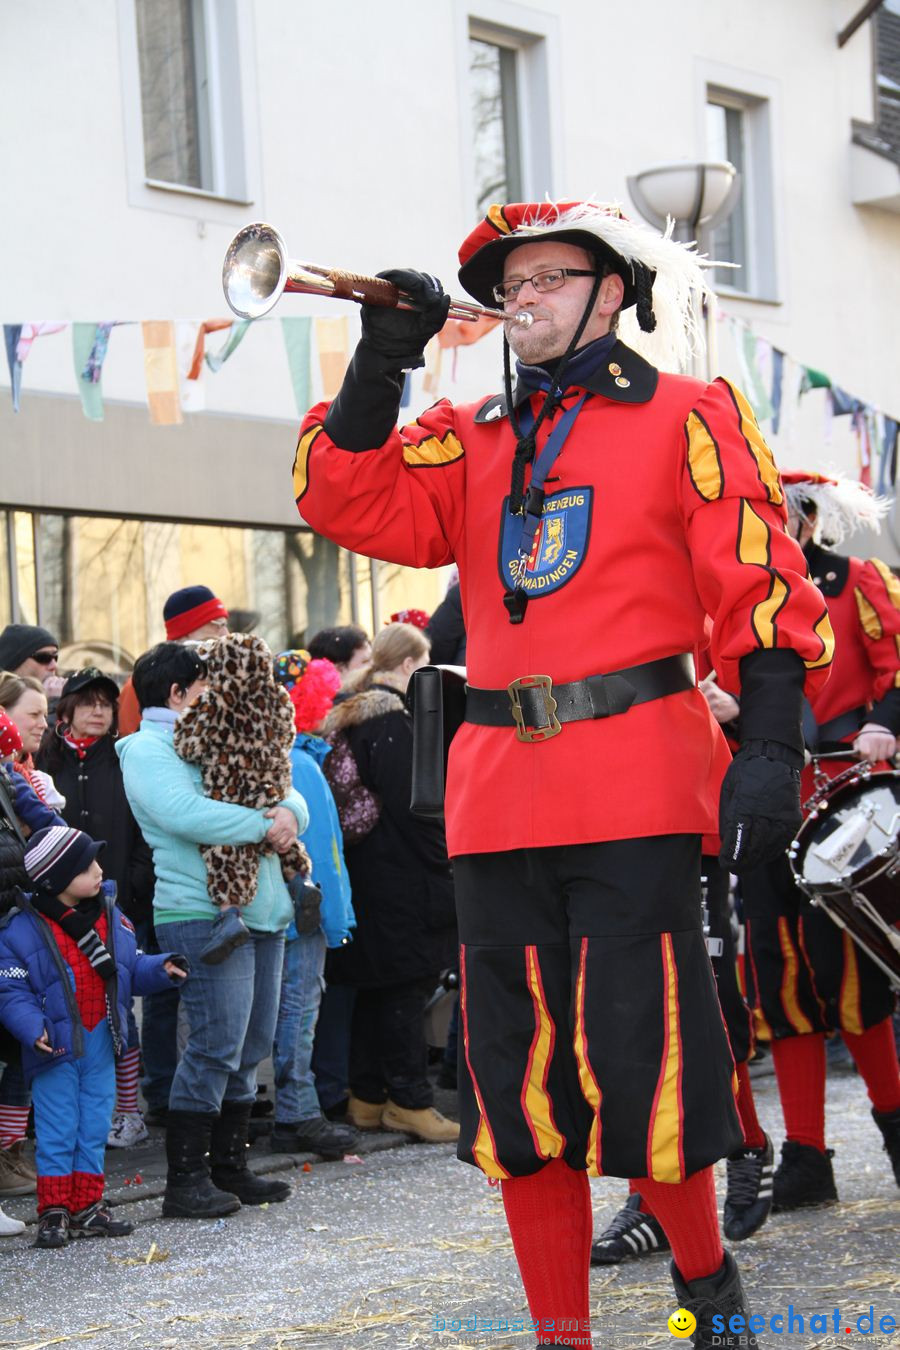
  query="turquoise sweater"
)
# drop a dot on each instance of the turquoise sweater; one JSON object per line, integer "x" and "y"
{"x": 166, "y": 796}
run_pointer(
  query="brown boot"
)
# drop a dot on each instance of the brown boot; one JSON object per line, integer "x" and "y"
{"x": 427, "y": 1123}
{"x": 12, "y": 1181}
{"x": 364, "y": 1115}
{"x": 17, "y": 1159}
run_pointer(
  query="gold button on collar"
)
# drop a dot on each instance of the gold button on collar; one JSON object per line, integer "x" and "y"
{"x": 622, "y": 382}
{"x": 614, "y": 369}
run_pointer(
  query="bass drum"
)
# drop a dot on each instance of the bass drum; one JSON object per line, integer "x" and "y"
{"x": 845, "y": 858}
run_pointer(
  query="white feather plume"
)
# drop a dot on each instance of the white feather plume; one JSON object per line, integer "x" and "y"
{"x": 842, "y": 507}
{"x": 678, "y": 290}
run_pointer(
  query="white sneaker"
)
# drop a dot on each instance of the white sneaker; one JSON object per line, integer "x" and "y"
{"x": 10, "y": 1227}
{"x": 127, "y": 1128}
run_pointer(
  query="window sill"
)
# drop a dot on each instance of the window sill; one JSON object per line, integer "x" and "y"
{"x": 729, "y": 293}
{"x": 203, "y": 194}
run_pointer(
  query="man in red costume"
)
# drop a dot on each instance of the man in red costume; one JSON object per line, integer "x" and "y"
{"x": 597, "y": 512}
{"x": 810, "y": 976}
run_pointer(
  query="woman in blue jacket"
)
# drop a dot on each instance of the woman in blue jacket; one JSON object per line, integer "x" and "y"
{"x": 230, "y": 1007}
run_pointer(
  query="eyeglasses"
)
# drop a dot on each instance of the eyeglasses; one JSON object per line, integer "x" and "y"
{"x": 541, "y": 281}
{"x": 45, "y": 658}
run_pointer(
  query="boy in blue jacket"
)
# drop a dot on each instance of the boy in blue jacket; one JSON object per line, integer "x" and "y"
{"x": 69, "y": 964}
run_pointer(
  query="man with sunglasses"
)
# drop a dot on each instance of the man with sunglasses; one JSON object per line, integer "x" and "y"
{"x": 26, "y": 649}
{"x": 598, "y": 511}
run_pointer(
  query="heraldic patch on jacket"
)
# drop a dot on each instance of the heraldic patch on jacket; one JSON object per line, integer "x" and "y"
{"x": 240, "y": 732}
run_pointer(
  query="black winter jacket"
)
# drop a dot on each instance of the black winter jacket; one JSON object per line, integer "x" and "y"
{"x": 400, "y": 874}
{"x": 96, "y": 803}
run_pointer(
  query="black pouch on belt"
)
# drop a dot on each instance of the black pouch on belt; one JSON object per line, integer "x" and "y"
{"x": 437, "y": 700}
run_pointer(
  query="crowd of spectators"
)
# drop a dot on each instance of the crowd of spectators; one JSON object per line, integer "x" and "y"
{"x": 329, "y": 966}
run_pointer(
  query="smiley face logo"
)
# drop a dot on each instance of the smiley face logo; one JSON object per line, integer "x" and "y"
{"x": 682, "y": 1323}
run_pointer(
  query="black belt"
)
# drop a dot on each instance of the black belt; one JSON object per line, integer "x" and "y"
{"x": 846, "y": 724}
{"x": 537, "y": 707}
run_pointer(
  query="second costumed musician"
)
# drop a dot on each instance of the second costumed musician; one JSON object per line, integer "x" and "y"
{"x": 809, "y": 976}
{"x": 597, "y": 513}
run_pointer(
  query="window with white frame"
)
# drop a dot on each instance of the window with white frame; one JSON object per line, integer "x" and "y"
{"x": 193, "y": 134}
{"x": 495, "y": 123}
{"x": 174, "y": 92}
{"x": 739, "y": 129}
{"x": 509, "y": 111}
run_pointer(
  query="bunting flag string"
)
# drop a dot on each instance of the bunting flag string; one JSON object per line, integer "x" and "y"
{"x": 774, "y": 383}
{"x": 175, "y": 356}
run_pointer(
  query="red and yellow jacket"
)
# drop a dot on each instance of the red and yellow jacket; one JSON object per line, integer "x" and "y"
{"x": 863, "y": 599}
{"x": 664, "y": 505}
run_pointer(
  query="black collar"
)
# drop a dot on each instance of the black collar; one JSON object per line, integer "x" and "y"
{"x": 828, "y": 570}
{"x": 624, "y": 378}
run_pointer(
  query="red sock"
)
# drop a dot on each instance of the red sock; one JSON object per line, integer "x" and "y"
{"x": 127, "y": 1070}
{"x": 13, "y": 1124}
{"x": 753, "y": 1131}
{"x": 549, "y": 1217}
{"x": 54, "y": 1193}
{"x": 875, "y": 1055}
{"x": 687, "y": 1213}
{"x": 800, "y": 1070}
{"x": 87, "y": 1187}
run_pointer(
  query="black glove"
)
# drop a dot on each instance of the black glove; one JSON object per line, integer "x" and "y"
{"x": 401, "y": 335}
{"x": 759, "y": 809}
{"x": 181, "y": 962}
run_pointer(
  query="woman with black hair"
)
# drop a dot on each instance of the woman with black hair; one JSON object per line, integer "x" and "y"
{"x": 79, "y": 754}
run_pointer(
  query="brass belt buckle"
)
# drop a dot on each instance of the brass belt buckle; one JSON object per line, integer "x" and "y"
{"x": 552, "y": 726}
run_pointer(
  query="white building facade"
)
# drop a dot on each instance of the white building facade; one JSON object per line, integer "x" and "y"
{"x": 140, "y": 135}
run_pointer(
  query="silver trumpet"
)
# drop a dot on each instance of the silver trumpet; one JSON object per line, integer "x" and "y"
{"x": 257, "y": 271}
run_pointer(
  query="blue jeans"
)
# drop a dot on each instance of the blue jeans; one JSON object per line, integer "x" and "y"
{"x": 230, "y": 1009}
{"x": 159, "y": 1036}
{"x": 298, "y": 1011}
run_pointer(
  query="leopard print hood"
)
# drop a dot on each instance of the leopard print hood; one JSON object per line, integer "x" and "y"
{"x": 362, "y": 707}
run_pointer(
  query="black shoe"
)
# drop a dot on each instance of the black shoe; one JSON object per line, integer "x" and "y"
{"x": 748, "y": 1199}
{"x": 228, "y": 1159}
{"x": 227, "y": 933}
{"x": 890, "y": 1129}
{"x": 197, "y": 1198}
{"x": 316, "y": 1135}
{"x": 189, "y": 1192}
{"x": 96, "y": 1221}
{"x": 53, "y": 1228}
{"x": 720, "y": 1297}
{"x": 631, "y": 1233}
{"x": 804, "y": 1178}
{"x": 156, "y": 1115}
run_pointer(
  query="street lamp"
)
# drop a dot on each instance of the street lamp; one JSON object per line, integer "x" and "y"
{"x": 698, "y": 197}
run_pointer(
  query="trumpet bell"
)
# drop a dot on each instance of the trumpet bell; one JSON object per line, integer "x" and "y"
{"x": 255, "y": 271}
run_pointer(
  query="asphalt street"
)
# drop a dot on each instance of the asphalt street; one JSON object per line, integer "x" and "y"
{"x": 406, "y": 1247}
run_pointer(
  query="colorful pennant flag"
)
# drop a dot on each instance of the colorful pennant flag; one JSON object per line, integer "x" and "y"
{"x": 161, "y": 372}
{"x": 331, "y": 341}
{"x": 216, "y": 360}
{"x": 90, "y": 342}
{"x": 296, "y": 333}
